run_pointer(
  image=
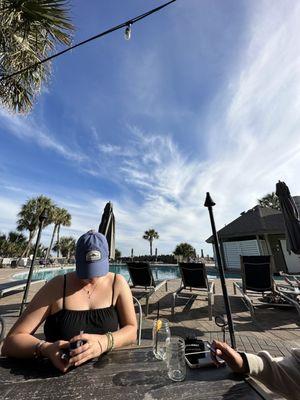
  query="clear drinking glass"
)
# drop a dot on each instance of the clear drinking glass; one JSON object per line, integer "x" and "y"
{"x": 176, "y": 358}
{"x": 160, "y": 334}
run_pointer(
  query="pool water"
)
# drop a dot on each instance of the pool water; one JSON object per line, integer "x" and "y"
{"x": 160, "y": 272}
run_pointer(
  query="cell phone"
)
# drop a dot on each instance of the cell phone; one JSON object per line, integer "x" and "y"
{"x": 208, "y": 345}
{"x": 65, "y": 353}
{"x": 213, "y": 351}
{"x": 197, "y": 354}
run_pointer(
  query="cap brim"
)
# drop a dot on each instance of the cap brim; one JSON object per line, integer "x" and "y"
{"x": 88, "y": 270}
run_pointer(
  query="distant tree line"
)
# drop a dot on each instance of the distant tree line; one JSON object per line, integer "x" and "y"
{"x": 163, "y": 258}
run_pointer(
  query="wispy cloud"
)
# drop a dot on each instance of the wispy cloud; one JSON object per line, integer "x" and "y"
{"x": 250, "y": 140}
{"x": 26, "y": 128}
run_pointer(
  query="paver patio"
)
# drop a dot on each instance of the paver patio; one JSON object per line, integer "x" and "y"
{"x": 273, "y": 329}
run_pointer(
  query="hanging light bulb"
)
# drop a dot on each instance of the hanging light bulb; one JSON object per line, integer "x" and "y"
{"x": 127, "y": 32}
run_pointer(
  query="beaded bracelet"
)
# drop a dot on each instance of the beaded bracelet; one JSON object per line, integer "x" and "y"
{"x": 37, "y": 349}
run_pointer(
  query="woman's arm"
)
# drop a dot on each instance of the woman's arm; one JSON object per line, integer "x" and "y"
{"x": 127, "y": 333}
{"x": 281, "y": 375}
{"x": 20, "y": 341}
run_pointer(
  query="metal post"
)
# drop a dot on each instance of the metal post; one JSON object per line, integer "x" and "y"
{"x": 42, "y": 219}
{"x": 209, "y": 204}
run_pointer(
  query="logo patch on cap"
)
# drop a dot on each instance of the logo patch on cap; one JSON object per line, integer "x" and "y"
{"x": 93, "y": 255}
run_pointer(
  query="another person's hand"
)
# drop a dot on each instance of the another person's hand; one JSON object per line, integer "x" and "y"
{"x": 229, "y": 355}
{"x": 53, "y": 352}
{"x": 95, "y": 345}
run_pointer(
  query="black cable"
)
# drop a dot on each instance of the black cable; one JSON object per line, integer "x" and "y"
{"x": 124, "y": 24}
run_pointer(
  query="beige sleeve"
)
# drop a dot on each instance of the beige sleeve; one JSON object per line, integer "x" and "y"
{"x": 281, "y": 375}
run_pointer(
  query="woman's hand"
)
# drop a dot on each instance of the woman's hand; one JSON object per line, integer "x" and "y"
{"x": 53, "y": 352}
{"x": 95, "y": 345}
{"x": 232, "y": 357}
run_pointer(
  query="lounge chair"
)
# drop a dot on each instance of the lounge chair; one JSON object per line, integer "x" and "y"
{"x": 141, "y": 278}
{"x": 291, "y": 279}
{"x": 290, "y": 291}
{"x": 15, "y": 286}
{"x": 194, "y": 279}
{"x": 257, "y": 279}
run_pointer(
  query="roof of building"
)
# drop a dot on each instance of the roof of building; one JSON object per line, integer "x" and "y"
{"x": 256, "y": 221}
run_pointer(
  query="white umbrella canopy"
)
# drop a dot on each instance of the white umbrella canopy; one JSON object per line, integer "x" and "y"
{"x": 108, "y": 228}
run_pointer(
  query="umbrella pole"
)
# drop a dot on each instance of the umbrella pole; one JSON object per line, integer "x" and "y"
{"x": 42, "y": 219}
{"x": 209, "y": 204}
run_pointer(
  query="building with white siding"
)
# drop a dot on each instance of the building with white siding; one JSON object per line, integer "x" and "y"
{"x": 259, "y": 231}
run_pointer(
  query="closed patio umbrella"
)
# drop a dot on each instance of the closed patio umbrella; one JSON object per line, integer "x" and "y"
{"x": 291, "y": 217}
{"x": 107, "y": 228}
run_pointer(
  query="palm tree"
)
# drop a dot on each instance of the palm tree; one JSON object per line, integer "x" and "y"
{"x": 150, "y": 235}
{"x": 185, "y": 249}
{"x": 29, "y": 217}
{"x": 30, "y": 31}
{"x": 118, "y": 254}
{"x": 66, "y": 246}
{"x": 270, "y": 200}
{"x": 13, "y": 244}
{"x": 60, "y": 217}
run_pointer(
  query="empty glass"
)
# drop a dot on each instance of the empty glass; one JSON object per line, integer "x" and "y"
{"x": 160, "y": 334}
{"x": 176, "y": 358}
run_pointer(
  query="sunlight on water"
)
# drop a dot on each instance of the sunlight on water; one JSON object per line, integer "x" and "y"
{"x": 160, "y": 272}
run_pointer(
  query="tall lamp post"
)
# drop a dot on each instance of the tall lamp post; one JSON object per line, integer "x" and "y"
{"x": 42, "y": 219}
{"x": 209, "y": 203}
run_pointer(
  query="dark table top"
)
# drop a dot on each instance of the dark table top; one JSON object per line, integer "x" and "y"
{"x": 125, "y": 374}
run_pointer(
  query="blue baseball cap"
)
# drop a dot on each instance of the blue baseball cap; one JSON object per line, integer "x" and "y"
{"x": 92, "y": 255}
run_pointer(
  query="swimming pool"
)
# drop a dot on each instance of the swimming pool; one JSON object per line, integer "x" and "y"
{"x": 160, "y": 272}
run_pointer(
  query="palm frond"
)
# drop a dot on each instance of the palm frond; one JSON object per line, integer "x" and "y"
{"x": 29, "y": 31}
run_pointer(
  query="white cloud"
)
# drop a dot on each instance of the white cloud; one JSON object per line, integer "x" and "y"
{"x": 9, "y": 210}
{"x": 251, "y": 137}
{"x": 253, "y": 140}
{"x": 27, "y": 129}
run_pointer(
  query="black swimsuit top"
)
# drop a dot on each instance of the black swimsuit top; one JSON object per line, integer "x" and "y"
{"x": 65, "y": 324}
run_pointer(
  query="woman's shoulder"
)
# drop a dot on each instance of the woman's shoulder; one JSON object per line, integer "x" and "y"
{"x": 50, "y": 292}
{"x": 119, "y": 279}
{"x": 53, "y": 284}
{"x": 121, "y": 284}
{"x": 56, "y": 280}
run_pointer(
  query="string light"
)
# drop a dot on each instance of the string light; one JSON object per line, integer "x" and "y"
{"x": 126, "y": 25}
{"x": 127, "y": 33}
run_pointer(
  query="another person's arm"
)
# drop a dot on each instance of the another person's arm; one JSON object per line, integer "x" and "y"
{"x": 21, "y": 342}
{"x": 98, "y": 344}
{"x": 280, "y": 374}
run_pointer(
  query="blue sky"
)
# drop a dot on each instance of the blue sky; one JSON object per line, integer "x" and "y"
{"x": 204, "y": 97}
